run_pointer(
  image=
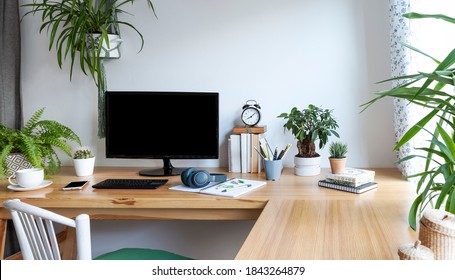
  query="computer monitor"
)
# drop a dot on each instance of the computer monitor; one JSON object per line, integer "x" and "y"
{"x": 162, "y": 125}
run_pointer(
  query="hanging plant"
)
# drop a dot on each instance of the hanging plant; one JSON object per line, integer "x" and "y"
{"x": 71, "y": 24}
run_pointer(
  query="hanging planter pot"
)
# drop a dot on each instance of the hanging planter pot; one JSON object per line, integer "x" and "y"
{"x": 106, "y": 52}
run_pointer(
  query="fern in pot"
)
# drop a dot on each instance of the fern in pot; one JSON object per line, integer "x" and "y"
{"x": 35, "y": 145}
{"x": 84, "y": 161}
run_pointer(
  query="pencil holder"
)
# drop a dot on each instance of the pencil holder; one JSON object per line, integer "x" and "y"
{"x": 273, "y": 169}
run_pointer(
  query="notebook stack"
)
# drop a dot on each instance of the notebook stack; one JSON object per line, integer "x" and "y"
{"x": 353, "y": 180}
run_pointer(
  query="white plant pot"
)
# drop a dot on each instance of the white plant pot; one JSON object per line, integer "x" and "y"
{"x": 84, "y": 167}
{"x": 307, "y": 166}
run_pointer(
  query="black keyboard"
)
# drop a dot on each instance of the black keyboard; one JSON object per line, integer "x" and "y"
{"x": 130, "y": 184}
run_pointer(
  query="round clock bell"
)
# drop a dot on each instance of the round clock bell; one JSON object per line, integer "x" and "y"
{"x": 251, "y": 114}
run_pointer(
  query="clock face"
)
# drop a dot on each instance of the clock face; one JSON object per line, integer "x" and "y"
{"x": 251, "y": 116}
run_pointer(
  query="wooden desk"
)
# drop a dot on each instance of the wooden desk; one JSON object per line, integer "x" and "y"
{"x": 296, "y": 219}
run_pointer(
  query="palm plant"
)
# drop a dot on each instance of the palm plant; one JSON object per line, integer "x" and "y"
{"x": 436, "y": 184}
{"x": 70, "y": 25}
{"x": 37, "y": 141}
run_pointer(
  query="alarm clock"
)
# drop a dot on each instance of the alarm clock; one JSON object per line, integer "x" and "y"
{"x": 250, "y": 113}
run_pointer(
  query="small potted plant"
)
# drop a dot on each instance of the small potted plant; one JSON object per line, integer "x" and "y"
{"x": 337, "y": 159}
{"x": 34, "y": 145}
{"x": 84, "y": 161}
{"x": 308, "y": 126}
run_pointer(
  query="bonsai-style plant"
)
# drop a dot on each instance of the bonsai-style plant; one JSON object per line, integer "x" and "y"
{"x": 71, "y": 25}
{"x": 436, "y": 184}
{"x": 84, "y": 161}
{"x": 37, "y": 141}
{"x": 337, "y": 159}
{"x": 308, "y": 126}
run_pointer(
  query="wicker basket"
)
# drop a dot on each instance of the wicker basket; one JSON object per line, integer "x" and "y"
{"x": 415, "y": 251}
{"x": 437, "y": 232}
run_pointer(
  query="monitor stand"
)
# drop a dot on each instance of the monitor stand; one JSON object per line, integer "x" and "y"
{"x": 166, "y": 170}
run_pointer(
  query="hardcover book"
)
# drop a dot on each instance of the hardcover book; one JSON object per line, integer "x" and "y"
{"x": 360, "y": 189}
{"x": 231, "y": 188}
{"x": 352, "y": 177}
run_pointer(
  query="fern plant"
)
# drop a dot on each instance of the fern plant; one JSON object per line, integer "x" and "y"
{"x": 37, "y": 141}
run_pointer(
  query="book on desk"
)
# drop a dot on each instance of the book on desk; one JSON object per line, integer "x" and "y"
{"x": 354, "y": 180}
{"x": 231, "y": 188}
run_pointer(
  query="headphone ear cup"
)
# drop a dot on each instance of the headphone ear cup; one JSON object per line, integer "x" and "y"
{"x": 199, "y": 179}
{"x": 185, "y": 176}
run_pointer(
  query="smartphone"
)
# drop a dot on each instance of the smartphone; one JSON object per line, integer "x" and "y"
{"x": 76, "y": 185}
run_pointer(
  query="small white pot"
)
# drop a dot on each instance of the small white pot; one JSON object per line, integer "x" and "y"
{"x": 307, "y": 166}
{"x": 84, "y": 167}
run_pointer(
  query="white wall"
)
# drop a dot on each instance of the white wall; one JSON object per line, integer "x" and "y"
{"x": 283, "y": 53}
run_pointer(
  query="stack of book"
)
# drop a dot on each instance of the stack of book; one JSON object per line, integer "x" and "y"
{"x": 353, "y": 180}
{"x": 241, "y": 154}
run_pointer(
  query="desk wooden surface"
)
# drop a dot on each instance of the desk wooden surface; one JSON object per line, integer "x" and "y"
{"x": 296, "y": 219}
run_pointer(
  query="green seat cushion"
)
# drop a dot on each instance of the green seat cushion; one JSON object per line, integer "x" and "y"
{"x": 140, "y": 254}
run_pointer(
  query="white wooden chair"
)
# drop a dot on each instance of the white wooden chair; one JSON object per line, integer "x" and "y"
{"x": 38, "y": 239}
{"x": 36, "y": 232}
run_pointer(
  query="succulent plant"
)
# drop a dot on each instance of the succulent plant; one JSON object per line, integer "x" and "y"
{"x": 83, "y": 152}
{"x": 338, "y": 149}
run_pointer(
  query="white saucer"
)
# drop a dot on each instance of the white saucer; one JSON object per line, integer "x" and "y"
{"x": 44, "y": 184}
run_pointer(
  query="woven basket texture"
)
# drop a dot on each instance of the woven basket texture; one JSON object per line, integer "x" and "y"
{"x": 437, "y": 232}
{"x": 415, "y": 251}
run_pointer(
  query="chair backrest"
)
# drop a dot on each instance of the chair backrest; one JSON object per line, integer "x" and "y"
{"x": 36, "y": 233}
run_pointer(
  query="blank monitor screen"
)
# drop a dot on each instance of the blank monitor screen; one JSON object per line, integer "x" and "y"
{"x": 162, "y": 125}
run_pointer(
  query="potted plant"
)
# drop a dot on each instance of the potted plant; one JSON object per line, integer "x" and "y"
{"x": 337, "y": 159}
{"x": 308, "y": 126}
{"x": 36, "y": 144}
{"x": 87, "y": 27}
{"x": 84, "y": 161}
{"x": 436, "y": 184}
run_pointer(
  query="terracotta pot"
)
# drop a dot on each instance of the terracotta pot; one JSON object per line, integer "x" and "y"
{"x": 337, "y": 165}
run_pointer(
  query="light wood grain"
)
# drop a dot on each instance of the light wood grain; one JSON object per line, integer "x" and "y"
{"x": 296, "y": 219}
{"x": 331, "y": 229}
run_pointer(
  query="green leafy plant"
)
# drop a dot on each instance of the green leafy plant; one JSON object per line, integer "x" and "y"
{"x": 37, "y": 141}
{"x": 308, "y": 126}
{"x": 71, "y": 25}
{"x": 338, "y": 149}
{"x": 83, "y": 153}
{"x": 436, "y": 183}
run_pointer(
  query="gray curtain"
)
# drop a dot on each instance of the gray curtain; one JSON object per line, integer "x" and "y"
{"x": 10, "y": 95}
{"x": 10, "y": 61}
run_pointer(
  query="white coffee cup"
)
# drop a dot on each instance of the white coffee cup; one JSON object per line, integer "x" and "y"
{"x": 27, "y": 178}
